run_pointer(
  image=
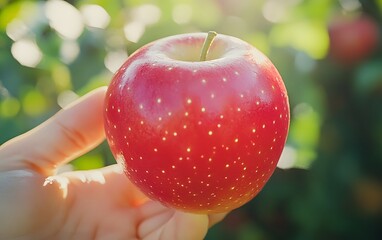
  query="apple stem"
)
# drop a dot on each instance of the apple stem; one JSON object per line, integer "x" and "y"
{"x": 207, "y": 44}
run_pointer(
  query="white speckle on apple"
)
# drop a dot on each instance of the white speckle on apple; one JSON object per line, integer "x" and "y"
{"x": 204, "y": 81}
{"x": 236, "y": 140}
{"x": 210, "y": 133}
{"x": 236, "y": 73}
{"x": 188, "y": 149}
{"x": 159, "y": 100}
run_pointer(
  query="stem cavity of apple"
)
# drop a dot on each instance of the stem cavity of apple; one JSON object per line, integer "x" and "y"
{"x": 207, "y": 44}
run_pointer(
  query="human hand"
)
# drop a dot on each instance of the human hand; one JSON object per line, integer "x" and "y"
{"x": 37, "y": 203}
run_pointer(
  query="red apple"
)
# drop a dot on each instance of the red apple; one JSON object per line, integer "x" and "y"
{"x": 201, "y": 136}
{"x": 352, "y": 39}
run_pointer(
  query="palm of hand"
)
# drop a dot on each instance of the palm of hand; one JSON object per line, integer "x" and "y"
{"x": 96, "y": 204}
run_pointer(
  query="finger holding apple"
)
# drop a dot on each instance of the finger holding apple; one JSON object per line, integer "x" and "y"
{"x": 200, "y": 132}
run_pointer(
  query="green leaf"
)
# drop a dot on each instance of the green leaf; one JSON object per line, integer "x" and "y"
{"x": 308, "y": 36}
{"x": 88, "y": 161}
{"x": 368, "y": 77}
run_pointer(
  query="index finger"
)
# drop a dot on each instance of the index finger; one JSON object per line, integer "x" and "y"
{"x": 71, "y": 132}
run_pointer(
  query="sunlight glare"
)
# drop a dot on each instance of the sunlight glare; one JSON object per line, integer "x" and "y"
{"x": 114, "y": 60}
{"x": 16, "y": 29}
{"x": 350, "y": 5}
{"x": 146, "y": 14}
{"x": 134, "y": 31}
{"x": 69, "y": 51}
{"x": 288, "y": 158}
{"x": 95, "y": 16}
{"x": 26, "y": 52}
{"x": 66, "y": 97}
{"x": 182, "y": 13}
{"x": 274, "y": 11}
{"x": 64, "y": 18}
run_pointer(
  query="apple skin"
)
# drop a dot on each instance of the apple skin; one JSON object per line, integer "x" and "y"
{"x": 352, "y": 39}
{"x": 203, "y": 137}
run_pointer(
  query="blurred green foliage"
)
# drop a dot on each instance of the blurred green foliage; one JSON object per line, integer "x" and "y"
{"x": 329, "y": 183}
